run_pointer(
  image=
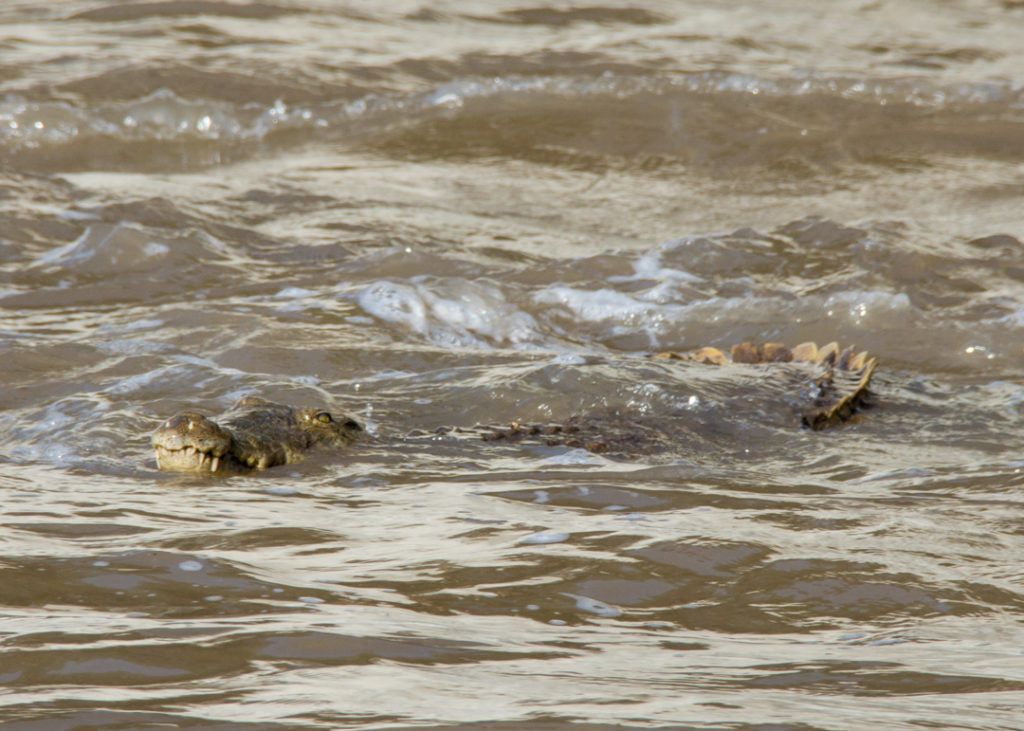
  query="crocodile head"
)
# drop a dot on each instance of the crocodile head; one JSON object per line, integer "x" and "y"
{"x": 254, "y": 434}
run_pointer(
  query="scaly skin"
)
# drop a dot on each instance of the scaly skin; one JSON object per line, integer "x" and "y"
{"x": 837, "y": 393}
{"x": 842, "y": 387}
{"x": 257, "y": 434}
{"x": 254, "y": 435}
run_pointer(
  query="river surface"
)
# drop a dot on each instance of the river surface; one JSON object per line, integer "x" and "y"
{"x": 461, "y": 213}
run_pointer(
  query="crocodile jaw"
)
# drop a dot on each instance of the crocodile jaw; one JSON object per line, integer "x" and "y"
{"x": 190, "y": 442}
{"x": 190, "y": 459}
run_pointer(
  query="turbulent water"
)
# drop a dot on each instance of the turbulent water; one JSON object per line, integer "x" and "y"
{"x": 462, "y": 213}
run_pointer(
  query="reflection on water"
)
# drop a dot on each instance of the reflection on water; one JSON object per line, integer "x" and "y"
{"x": 480, "y": 213}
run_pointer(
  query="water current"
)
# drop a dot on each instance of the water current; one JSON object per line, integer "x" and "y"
{"x": 469, "y": 212}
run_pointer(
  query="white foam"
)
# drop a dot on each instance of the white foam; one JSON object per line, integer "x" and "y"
{"x": 293, "y": 293}
{"x": 545, "y": 537}
{"x": 570, "y": 359}
{"x": 395, "y": 303}
{"x": 449, "y": 311}
{"x": 599, "y": 305}
{"x": 650, "y": 265}
{"x": 281, "y": 490}
{"x": 576, "y": 457}
{"x": 1013, "y": 319}
{"x": 860, "y": 305}
{"x": 594, "y": 606}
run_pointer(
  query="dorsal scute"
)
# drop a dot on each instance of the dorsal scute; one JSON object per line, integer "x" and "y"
{"x": 748, "y": 352}
{"x": 711, "y": 356}
{"x": 827, "y": 354}
{"x": 805, "y": 352}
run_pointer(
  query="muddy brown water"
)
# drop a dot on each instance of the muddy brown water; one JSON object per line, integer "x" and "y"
{"x": 479, "y": 212}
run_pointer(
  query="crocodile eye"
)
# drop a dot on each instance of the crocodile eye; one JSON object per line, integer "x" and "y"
{"x": 324, "y": 417}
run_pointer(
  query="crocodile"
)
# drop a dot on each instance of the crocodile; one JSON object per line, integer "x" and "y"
{"x": 256, "y": 434}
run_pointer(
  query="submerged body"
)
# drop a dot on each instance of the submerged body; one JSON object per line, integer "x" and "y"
{"x": 257, "y": 434}
{"x": 831, "y": 396}
{"x": 254, "y": 434}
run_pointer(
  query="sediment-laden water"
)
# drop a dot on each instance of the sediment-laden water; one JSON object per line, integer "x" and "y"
{"x": 462, "y": 213}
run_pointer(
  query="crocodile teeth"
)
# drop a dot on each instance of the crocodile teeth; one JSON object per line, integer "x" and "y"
{"x": 214, "y": 463}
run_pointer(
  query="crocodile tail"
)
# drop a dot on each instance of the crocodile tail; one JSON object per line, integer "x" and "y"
{"x": 843, "y": 388}
{"x": 840, "y": 391}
